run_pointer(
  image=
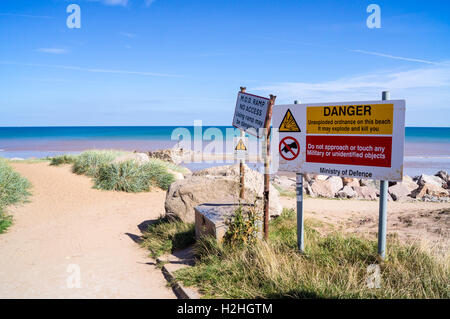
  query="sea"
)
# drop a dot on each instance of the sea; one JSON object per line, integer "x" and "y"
{"x": 427, "y": 149}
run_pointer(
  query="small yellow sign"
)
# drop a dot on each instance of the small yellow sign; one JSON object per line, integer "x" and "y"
{"x": 376, "y": 119}
{"x": 240, "y": 146}
{"x": 289, "y": 124}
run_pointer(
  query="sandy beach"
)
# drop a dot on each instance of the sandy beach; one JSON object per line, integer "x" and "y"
{"x": 67, "y": 222}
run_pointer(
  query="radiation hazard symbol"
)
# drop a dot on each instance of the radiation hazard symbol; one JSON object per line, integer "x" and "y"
{"x": 289, "y": 124}
{"x": 241, "y": 146}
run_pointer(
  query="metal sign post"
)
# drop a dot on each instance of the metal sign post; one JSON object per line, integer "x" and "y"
{"x": 382, "y": 219}
{"x": 300, "y": 227}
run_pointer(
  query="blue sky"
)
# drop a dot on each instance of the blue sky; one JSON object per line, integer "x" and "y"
{"x": 170, "y": 62}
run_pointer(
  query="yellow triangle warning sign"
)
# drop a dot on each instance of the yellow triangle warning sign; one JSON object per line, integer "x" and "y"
{"x": 241, "y": 146}
{"x": 289, "y": 124}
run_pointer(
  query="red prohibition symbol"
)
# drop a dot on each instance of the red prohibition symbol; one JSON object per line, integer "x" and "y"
{"x": 289, "y": 148}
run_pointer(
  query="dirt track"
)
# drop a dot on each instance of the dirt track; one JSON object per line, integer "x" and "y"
{"x": 67, "y": 226}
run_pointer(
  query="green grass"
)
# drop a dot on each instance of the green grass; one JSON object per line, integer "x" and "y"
{"x": 89, "y": 162}
{"x": 62, "y": 159}
{"x": 283, "y": 192}
{"x": 129, "y": 176}
{"x": 165, "y": 236}
{"x": 333, "y": 266}
{"x": 13, "y": 190}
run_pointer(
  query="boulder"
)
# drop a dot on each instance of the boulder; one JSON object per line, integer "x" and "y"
{"x": 430, "y": 180}
{"x": 431, "y": 190}
{"x": 308, "y": 177}
{"x": 400, "y": 191}
{"x": 140, "y": 158}
{"x": 178, "y": 175}
{"x": 336, "y": 183}
{"x": 174, "y": 155}
{"x": 320, "y": 177}
{"x": 350, "y": 181}
{"x": 308, "y": 190}
{"x": 284, "y": 182}
{"x": 217, "y": 185}
{"x": 325, "y": 188}
{"x": 369, "y": 182}
{"x": 442, "y": 175}
{"x": 366, "y": 192}
{"x": 347, "y": 192}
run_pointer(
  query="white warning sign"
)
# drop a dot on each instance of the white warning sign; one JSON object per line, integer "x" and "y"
{"x": 250, "y": 113}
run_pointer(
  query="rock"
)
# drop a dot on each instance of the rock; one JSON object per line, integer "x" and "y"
{"x": 442, "y": 175}
{"x": 16, "y": 159}
{"x": 217, "y": 185}
{"x": 346, "y": 192}
{"x": 431, "y": 190}
{"x": 173, "y": 155}
{"x": 369, "y": 182}
{"x": 140, "y": 158}
{"x": 309, "y": 191}
{"x": 430, "y": 180}
{"x": 320, "y": 177}
{"x": 336, "y": 183}
{"x": 366, "y": 192}
{"x": 399, "y": 191}
{"x": 350, "y": 181}
{"x": 324, "y": 188}
{"x": 178, "y": 175}
{"x": 284, "y": 182}
{"x": 308, "y": 177}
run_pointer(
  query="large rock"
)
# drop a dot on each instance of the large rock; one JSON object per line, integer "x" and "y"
{"x": 174, "y": 155}
{"x": 327, "y": 188}
{"x": 431, "y": 190}
{"x": 347, "y": 192}
{"x": 140, "y": 158}
{"x": 430, "y": 180}
{"x": 217, "y": 185}
{"x": 369, "y": 182}
{"x": 366, "y": 192}
{"x": 352, "y": 182}
{"x": 442, "y": 175}
{"x": 284, "y": 182}
{"x": 336, "y": 183}
{"x": 399, "y": 191}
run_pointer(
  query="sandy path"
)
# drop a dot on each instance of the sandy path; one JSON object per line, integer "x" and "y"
{"x": 68, "y": 225}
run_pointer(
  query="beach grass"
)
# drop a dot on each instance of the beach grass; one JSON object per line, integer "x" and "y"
{"x": 89, "y": 162}
{"x": 62, "y": 160}
{"x": 333, "y": 266}
{"x": 14, "y": 189}
{"x": 165, "y": 236}
{"x": 283, "y": 192}
{"x": 127, "y": 176}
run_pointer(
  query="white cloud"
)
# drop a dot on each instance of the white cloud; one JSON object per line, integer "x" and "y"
{"x": 122, "y": 3}
{"x": 116, "y": 2}
{"x": 398, "y": 57}
{"x": 53, "y": 50}
{"x": 77, "y": 68}
{"x": 422, "y": 88}
{"x": 128, "y": 35}
{"x": 26, "y": 15}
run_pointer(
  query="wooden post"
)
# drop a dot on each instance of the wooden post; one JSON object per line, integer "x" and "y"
{"x": 241, "y": 165}
{"x": 267, "y": 166}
